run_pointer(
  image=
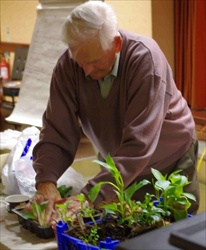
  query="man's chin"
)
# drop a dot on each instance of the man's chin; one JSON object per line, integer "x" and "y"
{"x": 96, "y": 76}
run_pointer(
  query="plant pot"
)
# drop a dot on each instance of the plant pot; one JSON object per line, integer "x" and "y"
{"x": 67, "y": 242}
{"x": 109, "y": 231}
{"x": 44, "y": 232}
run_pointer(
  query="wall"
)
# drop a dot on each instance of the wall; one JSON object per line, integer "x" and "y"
{"x": 17, "y": 20}
{"x": 163, "y": 27}
{"x": 134, "y": 15}
{"x": 153, "y": 18}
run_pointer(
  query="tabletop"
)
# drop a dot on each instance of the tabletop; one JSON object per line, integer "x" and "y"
{"x": 14, "y": 237}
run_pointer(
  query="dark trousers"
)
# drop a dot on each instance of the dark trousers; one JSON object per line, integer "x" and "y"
{"x": 187, "y": 163}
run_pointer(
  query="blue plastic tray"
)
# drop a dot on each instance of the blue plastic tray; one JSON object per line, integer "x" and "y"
{"x": 66, "y": 242}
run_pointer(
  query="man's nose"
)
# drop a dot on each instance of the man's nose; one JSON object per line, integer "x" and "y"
{"x": 88, "y": 69}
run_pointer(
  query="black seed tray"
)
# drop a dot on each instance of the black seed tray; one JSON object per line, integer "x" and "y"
{"x": 44, "y": 232}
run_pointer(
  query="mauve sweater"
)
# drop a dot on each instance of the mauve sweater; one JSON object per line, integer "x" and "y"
{"x": 144, "y": 122}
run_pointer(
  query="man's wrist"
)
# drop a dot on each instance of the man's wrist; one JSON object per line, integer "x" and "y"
{"x": 43, "y": 184}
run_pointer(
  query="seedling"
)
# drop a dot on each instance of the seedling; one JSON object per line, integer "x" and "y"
{"x": 86, "y": 211}
{"x": 148, "y": 213}
{"x": 170, "y": 195}
{"x": 37, "y": 213}
{"x": 62, "y": 210}
{"x": 92, "y": 237}
{"x": 82, "y": 199}
{"x": 125, "y": 207}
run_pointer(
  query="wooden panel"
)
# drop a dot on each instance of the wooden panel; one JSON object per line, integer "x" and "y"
{"x": 11, "y": 47}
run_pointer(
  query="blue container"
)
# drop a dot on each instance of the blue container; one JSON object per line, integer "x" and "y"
{"x": 66, "y": 242}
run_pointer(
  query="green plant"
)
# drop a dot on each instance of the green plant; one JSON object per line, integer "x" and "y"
{"x": 37, "y": 213}
{"x": 92, "y": 237}
{"x": 126, "y": 207}
{"x": 148, "y": 213}
{"x": 81, "y": 197}
{"x": 170, "y": 194}
{"x": 62, "y": 210}
{"x": 134, "y": 217}
{"x": 65, "y": 191}
{"x": 86, "y": 211}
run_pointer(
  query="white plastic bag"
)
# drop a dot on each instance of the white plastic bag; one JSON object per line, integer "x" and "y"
{"x": 25, "y": 175}
{"x": 24, "y": 147}
{"x": 9, "y": 139}
{"x": 18, "y": 175}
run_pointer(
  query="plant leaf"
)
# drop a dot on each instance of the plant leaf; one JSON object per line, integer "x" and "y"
{"x": 162, "y": 184}
{"x": 174, "y": 190}
{"x": 158, "y": 176}
{"x": 110, "y": 206}
{"x": 174, "y": 173}
{"x": 107, "y": 166}
{"x": 42, "y": 206}
{"x": 93, "y": 192}
{"x": 134, "y": 187}
{"x": 110, "y": 161}
{"x": 180, "y": 214}
{"x": 190, "y": 196}
{"x": 29, "y": 215}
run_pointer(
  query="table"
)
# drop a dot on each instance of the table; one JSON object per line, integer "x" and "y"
{"x": 11, "y": 89}
{"x": 14, "y": 237}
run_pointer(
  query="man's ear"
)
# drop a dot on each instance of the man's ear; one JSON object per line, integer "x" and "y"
{"x": 117, "y": 43}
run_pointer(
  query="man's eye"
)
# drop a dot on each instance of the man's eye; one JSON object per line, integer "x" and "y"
{"x": 80, "y": 65}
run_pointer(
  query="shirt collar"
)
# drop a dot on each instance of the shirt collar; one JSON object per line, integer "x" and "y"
{"x": 115, "y": 68}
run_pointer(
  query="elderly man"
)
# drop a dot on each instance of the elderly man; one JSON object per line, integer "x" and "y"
{"x": 120, "y": 86}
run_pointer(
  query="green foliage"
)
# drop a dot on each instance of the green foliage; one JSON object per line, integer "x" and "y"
{"x": 172, "y": 201}
{"x": 37, "y": 213}
{"x": 86, "y": 211}
{"x": 148, "y": 213}
{"x": 125, "y": 208}
{"x": 65, "y": 191}
{"x": 92, "y": 237}
{"x": 62, "y": 210}
{"x": 170, "y": 194}
{"x": 81, "y": 197}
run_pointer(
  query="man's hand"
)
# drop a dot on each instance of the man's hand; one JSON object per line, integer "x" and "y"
{"x": 47, "y": 191}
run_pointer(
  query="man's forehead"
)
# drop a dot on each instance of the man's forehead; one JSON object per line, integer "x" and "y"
{"x": 87, "y": 52}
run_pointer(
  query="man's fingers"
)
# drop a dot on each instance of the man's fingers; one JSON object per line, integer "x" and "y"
{"x": 49, "y": 211}
{"x": 38, "y": 198}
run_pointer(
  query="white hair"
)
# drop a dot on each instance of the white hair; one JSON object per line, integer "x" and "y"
{"x": 90, "y": 20}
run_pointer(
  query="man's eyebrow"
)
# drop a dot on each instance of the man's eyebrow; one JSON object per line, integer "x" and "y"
{"x": 94, "y": 61}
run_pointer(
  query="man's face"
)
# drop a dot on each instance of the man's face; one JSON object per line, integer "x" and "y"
{"x": 95, "y": 62}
